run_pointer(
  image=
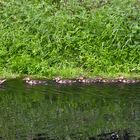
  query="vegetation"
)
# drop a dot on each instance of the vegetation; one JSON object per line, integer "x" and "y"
{"x": 70, "y": 37}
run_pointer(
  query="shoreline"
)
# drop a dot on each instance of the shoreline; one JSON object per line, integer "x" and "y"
{"x": 119, "y": 78}
{"x": 90, "y": 76}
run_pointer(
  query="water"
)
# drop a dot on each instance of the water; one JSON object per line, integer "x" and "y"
{"x": 73, "y": 112}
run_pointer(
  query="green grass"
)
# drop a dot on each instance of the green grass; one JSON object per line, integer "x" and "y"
{"x": 70, "y": 38}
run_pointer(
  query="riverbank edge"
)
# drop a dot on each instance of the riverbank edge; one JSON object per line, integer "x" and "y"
{"x": 132, "y": 76}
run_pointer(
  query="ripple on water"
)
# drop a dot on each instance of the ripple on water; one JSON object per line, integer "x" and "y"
{"x": 67, "y": 112}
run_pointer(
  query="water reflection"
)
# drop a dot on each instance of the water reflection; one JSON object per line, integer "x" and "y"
{"x": 74, "y": 112}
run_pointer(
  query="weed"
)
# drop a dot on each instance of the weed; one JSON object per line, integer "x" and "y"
{"x": 70, "y": 38}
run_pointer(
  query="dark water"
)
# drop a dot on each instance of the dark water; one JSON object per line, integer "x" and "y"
{"x": 74, "y": 112}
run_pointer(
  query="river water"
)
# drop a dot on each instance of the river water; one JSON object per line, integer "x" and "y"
{"x": 69, "y": 112}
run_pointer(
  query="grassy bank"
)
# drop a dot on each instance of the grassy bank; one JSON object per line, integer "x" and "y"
{"x": 70, "y": 38}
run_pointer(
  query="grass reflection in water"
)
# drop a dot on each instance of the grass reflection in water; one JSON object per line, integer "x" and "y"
{"x": 67, "y": 112}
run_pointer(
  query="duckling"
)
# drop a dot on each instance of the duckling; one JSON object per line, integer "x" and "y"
{"x": 137, "y": 81}
{"x": 84, "y": 80}
{"x": 99, "y": 79}
{"x": 106, "y": 81}
{"x": 2, "y": 81}
{"x": 33, "y": 82}
{"x": 64, "y": 81}
{"x": 128, "y": 81}
{"x": 114, "y": 81}
{"x": 121, "y": 79}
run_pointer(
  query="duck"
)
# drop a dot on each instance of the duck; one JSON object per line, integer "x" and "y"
{"x": 121, "y": 79}
{"x": 64, "y": 81}
{"x": 99, "y": 79}
{"x": 137, "y": 81}
{"x": 2, "y": 81}
{"x": 84, "y": 80}
{"x": 30, "y": 81}
{"x": 114, "y": 81}
{"x": 106, "y": 81}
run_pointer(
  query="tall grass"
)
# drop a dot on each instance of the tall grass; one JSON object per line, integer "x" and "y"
{"x": 70, "y": 37}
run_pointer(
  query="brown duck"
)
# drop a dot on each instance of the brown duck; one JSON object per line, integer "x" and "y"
{"x": 64, "y": 81}
{"x": 33, "y": 82}
{"x": 84, "y": 80}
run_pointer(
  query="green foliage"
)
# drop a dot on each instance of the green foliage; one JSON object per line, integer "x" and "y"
{"x": 50, "y": 36}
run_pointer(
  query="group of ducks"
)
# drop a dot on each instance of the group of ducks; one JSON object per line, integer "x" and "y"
{"x": 58, "y": 80}
{"x": 120, "y": 79}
